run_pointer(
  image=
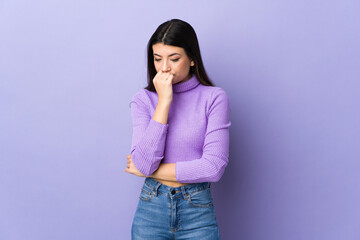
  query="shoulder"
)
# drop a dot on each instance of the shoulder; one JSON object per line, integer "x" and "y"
{"x": 143, "y": 96}
{"x": 219, "y": 92}
{"x": 217, "y": 100}
{"x": 215, "y": 94}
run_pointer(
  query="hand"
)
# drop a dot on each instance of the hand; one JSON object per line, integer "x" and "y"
{"x": 130, "y": 168}
{"x": 163, "y": 85}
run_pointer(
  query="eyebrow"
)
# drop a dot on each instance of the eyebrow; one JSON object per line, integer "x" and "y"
{"x": 169, "y": 55}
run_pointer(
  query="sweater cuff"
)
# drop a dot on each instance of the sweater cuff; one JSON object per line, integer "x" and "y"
{"x": 158, "y": 129}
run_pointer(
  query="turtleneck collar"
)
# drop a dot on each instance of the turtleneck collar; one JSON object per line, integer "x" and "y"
{"x": 187, "y": 85}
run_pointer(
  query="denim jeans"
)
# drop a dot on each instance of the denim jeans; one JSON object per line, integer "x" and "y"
{"x": 165, "y": 212}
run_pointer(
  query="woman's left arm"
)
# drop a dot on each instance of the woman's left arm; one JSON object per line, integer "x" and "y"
{"x": 215, "y": 156}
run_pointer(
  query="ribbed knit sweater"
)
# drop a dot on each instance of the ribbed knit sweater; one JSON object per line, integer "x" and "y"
{"x": 196, "y": 136}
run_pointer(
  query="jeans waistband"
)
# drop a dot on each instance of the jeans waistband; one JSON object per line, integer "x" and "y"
{"x": 155, "y": 186}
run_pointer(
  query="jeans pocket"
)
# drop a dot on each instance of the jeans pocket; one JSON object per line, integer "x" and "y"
{"x": 201, "y": 198}
{"x": 146, "y": 194}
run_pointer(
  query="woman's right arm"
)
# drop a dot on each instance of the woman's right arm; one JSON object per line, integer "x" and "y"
{"x": 161, "y": 112}
{"x": 163, "y": 85}
{"x": 149, "y": 133}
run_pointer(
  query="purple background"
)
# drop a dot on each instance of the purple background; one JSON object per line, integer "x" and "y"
{"x": 291, "y": 69}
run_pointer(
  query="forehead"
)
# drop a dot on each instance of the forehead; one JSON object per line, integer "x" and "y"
{"x": 162, "y": 49}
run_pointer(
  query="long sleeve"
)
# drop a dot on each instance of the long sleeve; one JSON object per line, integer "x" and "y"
{"x": 149, "y": 136}
{"x": 211, "y": 166}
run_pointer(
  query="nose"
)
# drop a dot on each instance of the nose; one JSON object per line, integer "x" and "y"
{"x": 165, "y": 67}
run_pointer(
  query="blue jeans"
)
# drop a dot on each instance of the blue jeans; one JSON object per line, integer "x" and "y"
{"x": 164, "y": 212}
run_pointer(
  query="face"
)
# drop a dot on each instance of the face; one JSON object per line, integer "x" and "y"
{"x": 174, "y": 60}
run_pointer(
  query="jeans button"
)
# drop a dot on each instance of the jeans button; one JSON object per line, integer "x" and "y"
{"x": 173, "y": 192}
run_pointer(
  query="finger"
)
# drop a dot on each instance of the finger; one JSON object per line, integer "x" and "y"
{"x": 161, "y": 77}
{"x": 164, "y": 74}
{"x": 159, "y": 73}
{"x": 170, "y": 77}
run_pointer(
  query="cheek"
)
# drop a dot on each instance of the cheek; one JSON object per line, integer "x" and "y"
{"x": 157, "y": 66}
{"x": 181, "y": 67}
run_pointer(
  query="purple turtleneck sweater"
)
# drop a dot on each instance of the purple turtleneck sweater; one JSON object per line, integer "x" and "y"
{"x": 196, "y": 136}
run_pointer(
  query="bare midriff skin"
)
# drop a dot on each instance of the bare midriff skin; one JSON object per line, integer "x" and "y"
{"x": 170, "y": 183}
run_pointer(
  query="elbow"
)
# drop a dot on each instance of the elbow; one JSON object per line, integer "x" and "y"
{"x": 216, "y": 176}
{"x": 216, "y": 171}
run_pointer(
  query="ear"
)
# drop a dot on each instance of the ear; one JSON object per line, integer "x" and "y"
{"x": 192, "y": 63}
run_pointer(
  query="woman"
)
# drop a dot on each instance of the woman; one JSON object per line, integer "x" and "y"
{"x": 180, "y": 139}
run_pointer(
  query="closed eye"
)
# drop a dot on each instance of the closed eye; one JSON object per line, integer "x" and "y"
{"x": 174, "y": 60}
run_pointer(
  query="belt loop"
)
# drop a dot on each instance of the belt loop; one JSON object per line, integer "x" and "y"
{"x": 209, "y": 184}
{"x": 184, "y": 193}
{"x": 156, "y": 189}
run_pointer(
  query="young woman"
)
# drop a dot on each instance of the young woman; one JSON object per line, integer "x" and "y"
{"x": 180, "y": 139}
